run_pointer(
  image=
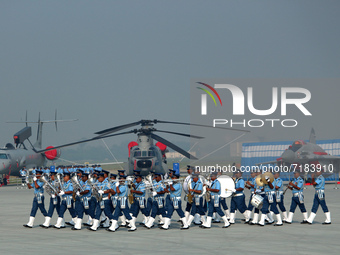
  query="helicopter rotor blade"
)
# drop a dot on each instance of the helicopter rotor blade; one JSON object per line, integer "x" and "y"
{"x": 85, "y": 141}
{"x": 182, "y": 134}
{"x": 117, "y": 128}
{"x": 198, "y": 125}
{"x": 172, "y": 146}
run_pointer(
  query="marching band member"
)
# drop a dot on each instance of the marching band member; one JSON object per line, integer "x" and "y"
{"x": 66, "y": 201}
{"x": 104, "y": 189}
{"x": 197, "y": 190}
{"x": 54, "y": 204}
{"x": 175, "y": 203}
{"x": 238, "y": 198}
{"x": 223, "y": 202}
{"x": 158, "y": 200}
{"x": 269, "y": 200}
{"x": 86, "y": 204}
{"x": 319, "y": 198}
{"x": 23, "y": 173}
{"x": 278, "y": 183}
{"x": 139, "y": 203}
{"x": 188, "y": 205}
{"x": 250, "y": 184}
{"x": 214, "y": 204}
{"x": 297, "y": 199}
{"x": 258, "y": 190}
{"x": 122, "y": 207}
{"x": 38, "y": 200}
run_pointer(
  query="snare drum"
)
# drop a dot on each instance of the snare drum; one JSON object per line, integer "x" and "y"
{"x": 257, "y": 201}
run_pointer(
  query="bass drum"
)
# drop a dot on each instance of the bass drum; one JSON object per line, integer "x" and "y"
{"x": 227, "y": 185}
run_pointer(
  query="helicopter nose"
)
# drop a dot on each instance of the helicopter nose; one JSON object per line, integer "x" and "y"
{"x": 288, "y": 156}
{"x": 145, "y": 163}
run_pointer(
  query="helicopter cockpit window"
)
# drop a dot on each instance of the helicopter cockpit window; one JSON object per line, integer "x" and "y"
{"x": 3, "y": 156}
{"x": 296, "y": 145}
{"x": 137, "y": 153}
{"x": 151, "y": 153}
{"x": 144, "y": 153}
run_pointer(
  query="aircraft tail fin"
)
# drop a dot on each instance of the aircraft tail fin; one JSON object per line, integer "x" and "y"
{"x": 38, "y": 143}
{"x": 312, "y": 137}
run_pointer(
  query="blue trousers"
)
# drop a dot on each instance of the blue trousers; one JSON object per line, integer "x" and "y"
{"x": 188, "y": 207}
{"x": 156, "y": 210}
{"x": 281, "y": 204}
{"x": 63, "y": 207}
{"x": 135, "y": 208}
{"x": 167, "y": 202}
{"x": 35, "y": 207}
{"x": 273, "y": 206}
{"x": 212, "y": 208}
{"x": 250, "y": 206}
{"x": 149, "y": 205}
{"x": 171, "y": 209}
{"x": 80, "y": 209}
{"x": 238, "y": 202}
{"x": 197, "y": 208}
{"x": 52, "y": 206}
{"x": 317, "y": 201}
{"x": 224, "y": 204}
{"x": 296, "y": 202}
{"x": 119, "y": 210}
{"x": 106, "y": 209}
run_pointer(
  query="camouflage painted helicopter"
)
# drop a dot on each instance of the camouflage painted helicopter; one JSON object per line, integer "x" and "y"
{"x": 144, "y": 154}
{"x": 302, "y": 153}
{"x": 13, "y": 158}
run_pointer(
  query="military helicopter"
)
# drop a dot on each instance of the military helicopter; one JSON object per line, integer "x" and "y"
{"x": 13, "y": 158}
{"x": 144, "y": 154}
{"x": 303, "y": 153}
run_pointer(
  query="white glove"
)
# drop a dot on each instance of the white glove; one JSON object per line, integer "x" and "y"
{"x": 101, "y": 192}
{"x": 34, "y": 178}
{"x": 170, "y": 183}
{"x": 154, "y": 193}
{"x": 117, "y": 184}
{"x": 233, "y": 190}
{"x": 78, "y": 193}
{"x": 53, "y": 196}
{"x": 27, "y": 181}
{"x": 267, "y": 178}
{"x": 61, "y": 193}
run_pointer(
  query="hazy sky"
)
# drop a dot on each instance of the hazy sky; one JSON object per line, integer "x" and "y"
{"x": 108, "y": 63}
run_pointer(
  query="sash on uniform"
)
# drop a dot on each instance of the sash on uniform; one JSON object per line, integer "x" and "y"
{"x": 114, "y": 201}
{"x": 197, "y": 200}
{"x": 69, "y": 201}
{"x": 141, "y": 201}
{"x": 102, "y": 206}
{"x": 216, "y": 199}
{"x": 159, "y": 202}
{"x": 321, "y": 194}
{"x": 122, "y": 202}
{"x": 270, "y": 197}
{"x": 278, "y": 196}
{"x": 300, "y": 196}
{"x": 86, "y": 202}
{"x": 39, "y": 197}
{"x": 55, "y": 200}
{"x": 175, "y": 202}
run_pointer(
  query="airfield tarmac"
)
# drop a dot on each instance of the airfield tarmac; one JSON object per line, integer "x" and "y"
{"x": 239, "y": 238}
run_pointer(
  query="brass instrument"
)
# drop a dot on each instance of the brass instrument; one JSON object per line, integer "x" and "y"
{"x": 49, "y": 188}
{"x": 190, "y": 198}
{"x": 259, "y": 181}
{"x": 288, "y": 186}
{"x": 76, "y": 186}
{"x": 267, "y": 174}
{"x": 94, "y": 189}
{"x": 130, "y": 196}
{"x": 61, "y": 183}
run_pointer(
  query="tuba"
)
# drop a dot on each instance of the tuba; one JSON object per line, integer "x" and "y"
{"x": 94, "y": 189}
{"x": 60, "y": 182}
{"x": 49, "y": 188}
{"x": 76, "y": 186}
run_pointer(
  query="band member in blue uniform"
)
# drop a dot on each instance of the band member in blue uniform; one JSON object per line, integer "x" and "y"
{"x": 214, "y": 205}
{"x": 188, "y": 205}
{"x": 38, "y": 200}
{"x": 296, "y": 185}
{"x": 175, "y": 203}
{"x": 139, "y": 202}
{"x": 238, "y": 198}
{"x": 66, "y": 201}
{"x": 250, "y": 184}
{"x": 23, "y": 173}
{"x": 54, "y": 202}
{"x": 122, "y": 206}
{"x": 87, "y": 202}
{"x": 102, "y": 205}
{"x": 158, "y": 200}
{"x": 196, "y": 190}
{"x": 278, "y": 183}
{"x": 319, "y": 198}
